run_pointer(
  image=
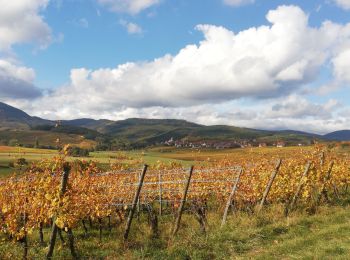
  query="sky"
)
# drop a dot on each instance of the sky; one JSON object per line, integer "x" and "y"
{"x": 250, "y": 63}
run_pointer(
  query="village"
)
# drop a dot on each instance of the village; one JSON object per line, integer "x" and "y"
{"x": 219, "y": 144}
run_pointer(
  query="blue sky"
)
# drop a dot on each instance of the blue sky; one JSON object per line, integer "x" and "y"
{"x": 264, "y": 64}
{"x": 168, "y": 26}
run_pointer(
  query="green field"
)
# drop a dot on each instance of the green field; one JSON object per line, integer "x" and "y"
{"x": 186, "y": 157}
{"x": 11, "y": 154}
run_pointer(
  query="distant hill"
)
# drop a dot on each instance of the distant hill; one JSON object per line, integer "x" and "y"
{"x": 97, "y": 125}
{"x": 129, "y": 127}
{"x": 343, "y": 135}
{"x": 139, "y": 132}
{"x": 13, "y": 118}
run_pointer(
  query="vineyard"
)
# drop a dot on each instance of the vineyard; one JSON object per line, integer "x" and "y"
{"x": 62, "y": 197}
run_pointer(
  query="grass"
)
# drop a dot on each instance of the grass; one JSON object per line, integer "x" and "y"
{"x": 185, "y": 157}
{"x": 212, "y": 154}
{"x": 267, "y": 236}
{"x": 45, "y": 138}
{"x": 10, "y": 154}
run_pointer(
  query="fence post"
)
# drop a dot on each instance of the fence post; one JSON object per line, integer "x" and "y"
{"x": 71, "y": 243}
{"x": 25, "y": 239}
{"x": 229, "y": 200}
{"x": 64, "y": 181}
{"x": 182, "y": 205}
{"x": 138, "y": 200}
{"x": 134, "y": 203}
{"x": 300, "y": 185}
{"x": 268, "y": 187}
{"x": 322, "y": 159}
{"x": 160, "y": 193}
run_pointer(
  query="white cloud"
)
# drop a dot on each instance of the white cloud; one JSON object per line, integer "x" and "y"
{"x": 266, "y": 61}
{"x": 264, "y": 114}
{"x": 131, "y": 28}
{"x": 83, "y": 22}
{"x": 345, "y": 4}
{"x": 295, "y": 106}
{"x": 16, "y": 81}
{"x": 20, "y": 22}
{"x": 128, "y": 6}
{"x": 238, "y": 2}
{"x": 342, "y": 66}
{"x": 271, "y": 62}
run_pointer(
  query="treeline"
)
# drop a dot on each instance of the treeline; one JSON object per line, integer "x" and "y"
{"x": 68, "y": 129}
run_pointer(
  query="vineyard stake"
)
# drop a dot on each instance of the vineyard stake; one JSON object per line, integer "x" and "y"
{"x": 229, "y": 201}
{"x": 160, "y": 193}
{"x": 182, "y": 205}
{"x": 63, "y": 188}
{"x": 84, "y": 226}
{"x": 25, "y": 239}
{"x": 300, "y": 186}
{"x": 138, "y": 201}
{"x": 41, "y": 234}
{"x": 327, "y": 178}
{"x": 134, "y": 203}
{"x": 100, "y": 228}
{"x": 71, "y": 243}
{"x": 268, "y": 187}
{"x": 322, "y": 158}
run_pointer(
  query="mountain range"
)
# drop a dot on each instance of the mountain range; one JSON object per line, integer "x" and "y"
{"x": 137, "y": 132}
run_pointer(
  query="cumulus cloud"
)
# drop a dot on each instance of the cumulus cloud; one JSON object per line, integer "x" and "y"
{"x": 296, "y": 106}
{"x": 266, "y": 64}
{"x": 260, "y": 62}
{"x": 272, "y": 114}
{"x": 128, "y": 6}
{"x": 20, "y": 22}
{"x": 345, "y": 4}
{"x": 17, "y": 82}
{"x": 341, "y": 66}
{"x": 131, "y": 28}
{"x": 238, "y": 2}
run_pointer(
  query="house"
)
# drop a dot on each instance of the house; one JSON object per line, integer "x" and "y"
{"x": 280, "y": 144}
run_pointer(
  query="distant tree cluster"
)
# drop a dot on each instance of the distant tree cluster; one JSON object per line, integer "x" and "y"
{"x": 77, "y": 152}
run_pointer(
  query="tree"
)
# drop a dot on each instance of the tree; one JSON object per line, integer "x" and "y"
{"x": 36, "y": 145}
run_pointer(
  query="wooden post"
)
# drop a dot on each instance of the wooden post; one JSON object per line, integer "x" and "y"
{"x": 182, "y": 205}
{"x": 84, "y": 226}
{"x": 322, "y": 158}
{"x": 25, "y": 239}
{"x": 153, "y": 221}
{"x": 160, "y": 193}
{"x": 229, "y": 200}
{"x": 323, "y": 188}
{"x": 54, "y": 226}
{"x": 138, "y": 201}
{"x": 100, "y": 228}
{"x": 41, "y": 234}
{"x": 297, "y": 192}
{"x": 134, "y": 203}
{"x": 71, "y": 243}
{"x": 268, "y": 187}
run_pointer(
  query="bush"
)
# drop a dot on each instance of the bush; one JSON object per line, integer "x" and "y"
{"x": 77, "y": 152}
{"x": 20, "y": 163}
